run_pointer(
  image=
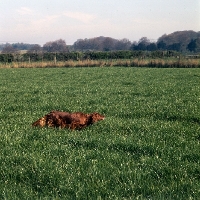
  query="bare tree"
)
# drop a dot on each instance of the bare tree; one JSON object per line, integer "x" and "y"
{"x": 108, "y": 44}
{"x": 36, "y": 48}
{"x": 144, "y": 40}
{"x": 123, "y": 44}
{"x": 142, "y": 44}
{"x": 56, "y": 46}
{"x": 9, "y": 49}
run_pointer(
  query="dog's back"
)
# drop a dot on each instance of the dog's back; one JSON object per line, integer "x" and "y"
{"x": 76, "y": 120}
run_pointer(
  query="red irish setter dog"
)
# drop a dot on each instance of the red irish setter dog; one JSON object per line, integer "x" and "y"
{"x": 76, "y": 120}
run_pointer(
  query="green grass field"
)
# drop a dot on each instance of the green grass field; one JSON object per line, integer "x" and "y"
{"x": 148, "y": 147}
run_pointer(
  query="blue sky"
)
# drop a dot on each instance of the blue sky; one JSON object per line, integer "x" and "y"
{"x": 40, "y": 21}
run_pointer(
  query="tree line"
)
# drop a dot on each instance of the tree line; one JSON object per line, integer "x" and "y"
{"x": 180, "y": 41}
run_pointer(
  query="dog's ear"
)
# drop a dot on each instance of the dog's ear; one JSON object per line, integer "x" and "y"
{"x": 94, "y": 117}
{"x": 53, "y": 120}
{"x": 89, "y": 119}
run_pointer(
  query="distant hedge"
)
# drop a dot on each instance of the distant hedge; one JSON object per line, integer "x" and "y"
{"x": 91, "y": 55}
{"x": 6, "y": 58}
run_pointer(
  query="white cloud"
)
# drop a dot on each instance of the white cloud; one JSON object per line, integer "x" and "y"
{"x": 80, "y": 16}
{"x": 36, "y": 29}
{"x": 25, "y": 11}
{"x": 45, "y": 21}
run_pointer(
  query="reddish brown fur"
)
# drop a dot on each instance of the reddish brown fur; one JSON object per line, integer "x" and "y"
{"x": 76, "y": 120}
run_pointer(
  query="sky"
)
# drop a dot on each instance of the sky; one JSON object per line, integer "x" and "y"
{"x": 41, "y": 21}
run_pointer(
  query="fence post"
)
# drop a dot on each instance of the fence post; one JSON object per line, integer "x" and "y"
{"x": 55, "y": 59}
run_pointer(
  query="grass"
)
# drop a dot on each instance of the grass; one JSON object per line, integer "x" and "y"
{"x": 137, "y": 62}
{"x": 146, "y": 148}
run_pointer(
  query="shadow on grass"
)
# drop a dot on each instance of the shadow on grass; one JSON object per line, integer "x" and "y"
{"x": 132, "y": 149}
{"x": 198, "y": 137}
{"x": 160, "y": 116}
{"x": 135, "y": 150}
{"x": 168, "y": 117}
{"x": 192, "y": 157}
{"x": 183, "y": 119}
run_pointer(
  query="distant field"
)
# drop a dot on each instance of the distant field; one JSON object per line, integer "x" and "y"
{"x": 148, "y": 147}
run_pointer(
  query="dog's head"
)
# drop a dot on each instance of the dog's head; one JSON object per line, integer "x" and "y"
{"x": 41, "y": 122}
{"x": 97, "y": 117}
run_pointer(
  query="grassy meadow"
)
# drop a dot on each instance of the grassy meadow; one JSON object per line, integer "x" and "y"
{"x": 148, "y": 147}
